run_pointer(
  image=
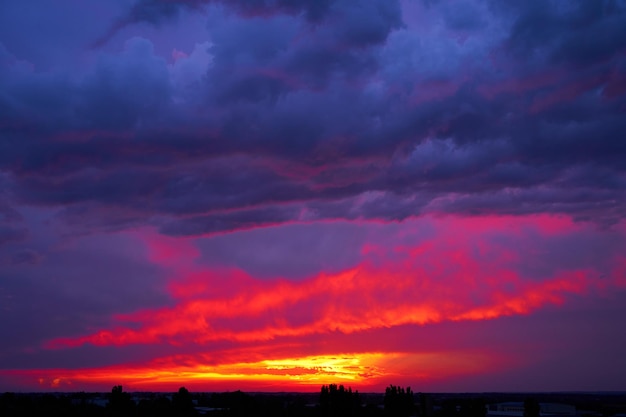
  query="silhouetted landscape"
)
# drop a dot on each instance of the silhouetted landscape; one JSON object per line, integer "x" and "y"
{"x": 332, "y": 400}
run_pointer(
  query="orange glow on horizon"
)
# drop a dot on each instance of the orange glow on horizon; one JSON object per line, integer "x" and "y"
{"x": 361, "y": 371}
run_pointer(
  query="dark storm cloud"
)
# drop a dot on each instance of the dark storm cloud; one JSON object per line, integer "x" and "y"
{"x": 339, "y": 109}
{"x": 355, "y": 23}
{"x": 262, "y": 58}
{"x": 122, "y": 93}
{"x": 574, "y": 33}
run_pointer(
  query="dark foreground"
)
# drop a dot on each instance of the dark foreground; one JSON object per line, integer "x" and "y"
{"x": 331, "y": 401}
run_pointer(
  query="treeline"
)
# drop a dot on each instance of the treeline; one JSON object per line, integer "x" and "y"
{"x": 333, "y": 401}
{"x": 116, "y": 404}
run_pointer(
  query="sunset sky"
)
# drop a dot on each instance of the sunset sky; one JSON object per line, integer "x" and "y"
{"x": 272, "y": 195}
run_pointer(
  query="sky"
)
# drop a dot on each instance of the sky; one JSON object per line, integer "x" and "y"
{"x": 272, "y": 195}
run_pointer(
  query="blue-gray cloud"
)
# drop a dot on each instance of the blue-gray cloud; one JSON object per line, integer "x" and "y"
{"x": 293, "y": 107}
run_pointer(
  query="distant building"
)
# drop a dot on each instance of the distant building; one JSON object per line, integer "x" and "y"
{"x": 516, "y": 409}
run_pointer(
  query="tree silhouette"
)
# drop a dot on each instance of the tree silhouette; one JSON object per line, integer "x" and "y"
{"x": 398, "y": 401}
{"x": 339, "y": 401}
{"x": 182, "y": 402}
{"x": 120, "y": 403}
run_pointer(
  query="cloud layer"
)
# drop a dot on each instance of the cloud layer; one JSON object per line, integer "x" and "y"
{"x": 213, "y": 174}
{"x": 332, "y": 110}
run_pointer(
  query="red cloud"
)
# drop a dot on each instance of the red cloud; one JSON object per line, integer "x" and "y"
{"x": 459, "y": 274}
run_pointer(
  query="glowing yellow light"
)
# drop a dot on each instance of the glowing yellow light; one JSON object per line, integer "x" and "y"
{"x": 358, "y": 369}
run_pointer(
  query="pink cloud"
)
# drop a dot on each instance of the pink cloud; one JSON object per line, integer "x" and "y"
{"x": 461, "y": 273}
